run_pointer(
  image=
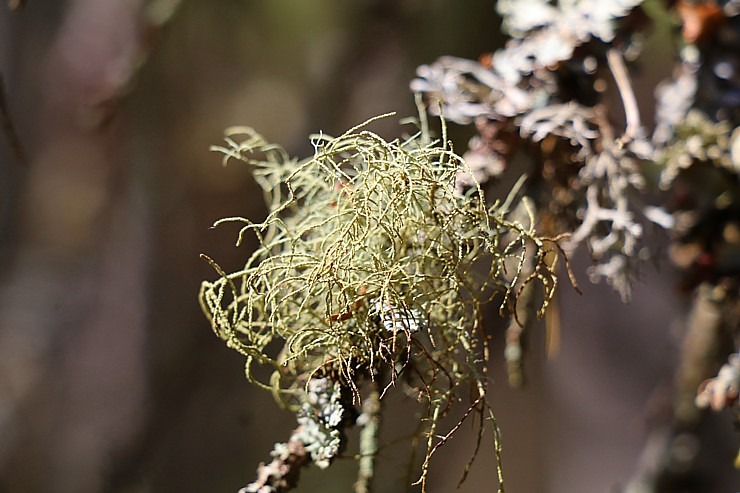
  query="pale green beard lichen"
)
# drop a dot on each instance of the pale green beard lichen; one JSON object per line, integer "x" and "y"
{"x": 372, "y": 266}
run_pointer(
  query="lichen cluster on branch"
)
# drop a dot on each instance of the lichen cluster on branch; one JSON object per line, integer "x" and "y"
{"x": 372, "y": 265}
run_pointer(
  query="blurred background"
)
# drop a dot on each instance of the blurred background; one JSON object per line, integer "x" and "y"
{"x": 110, "y": 377}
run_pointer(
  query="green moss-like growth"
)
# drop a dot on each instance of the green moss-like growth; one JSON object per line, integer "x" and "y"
{"x": 372, "y": 265}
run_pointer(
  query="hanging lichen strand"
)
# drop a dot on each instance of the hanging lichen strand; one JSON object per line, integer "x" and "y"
{"x": 372, "y": 266}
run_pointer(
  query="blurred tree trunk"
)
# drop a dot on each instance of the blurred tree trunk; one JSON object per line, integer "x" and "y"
{"x": 73, "y": 302}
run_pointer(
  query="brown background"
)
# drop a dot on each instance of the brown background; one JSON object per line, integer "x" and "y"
{"x": 110, "y": 379}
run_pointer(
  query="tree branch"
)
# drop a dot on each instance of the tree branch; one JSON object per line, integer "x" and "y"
{"x": 621, "y": 77}
{"x": 369, "y": 440}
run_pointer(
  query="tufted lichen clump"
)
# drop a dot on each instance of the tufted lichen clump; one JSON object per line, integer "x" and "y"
{"x": 372, "y": 267}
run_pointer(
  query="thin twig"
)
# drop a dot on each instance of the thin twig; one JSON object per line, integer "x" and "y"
{"x": 498, "y": 450}
{"x": 700, "y": 352}
{"x": 515, "y": 333}
{"x": 8, "y": 127}
{"x": 442, "y": 441}
{"x": 650, "y": 463}
{"x": 622, "y": 78}
{"x": 369, "y": 440}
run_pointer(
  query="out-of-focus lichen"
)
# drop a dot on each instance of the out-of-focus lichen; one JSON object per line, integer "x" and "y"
{"x": 548, "y": 103}
{"x": 723, "y": 390}
{"x": 698, "y": 140}
{"x": 586, "y": 176}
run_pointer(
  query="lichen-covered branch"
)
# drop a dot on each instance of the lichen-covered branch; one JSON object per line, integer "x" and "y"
{"x": 373, "y": 263}
{"x": 282, "y": 473}
{"x": 377, "y": 256}
{"x": 319, "y": 438}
